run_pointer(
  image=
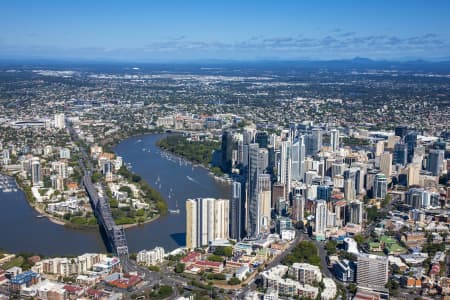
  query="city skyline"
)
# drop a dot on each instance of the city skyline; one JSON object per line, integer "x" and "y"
{"x": 176, "y": 31}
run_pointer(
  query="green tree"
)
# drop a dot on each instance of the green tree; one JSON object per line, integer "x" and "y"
{"x": 179, "y": 268}
{"x": 330, "y": 246}
{"x": 234, "y": 281}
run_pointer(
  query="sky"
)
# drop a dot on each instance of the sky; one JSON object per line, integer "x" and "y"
{"x": 153, "y": 30}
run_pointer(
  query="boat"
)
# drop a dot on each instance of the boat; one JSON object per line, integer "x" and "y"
{"x": 40, "y": 216}
{"x": 176, "y": 210}
{"x": 190, "y": 178}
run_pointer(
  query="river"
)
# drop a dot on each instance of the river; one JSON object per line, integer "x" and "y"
{"x": 22, "y": 231}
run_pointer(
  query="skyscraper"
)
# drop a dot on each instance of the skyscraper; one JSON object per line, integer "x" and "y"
{"x": 349, "y": 189}
{"x": 324, "y": 192}
{"x": 372, "y": 271}
{"x": 295, "y": 158}
{"x": 401, "y": 131}
{"x": 262, "y": 139}
{"x": 36, "y": 178}
{"x": 334, "y": 139}
{"x": 264, "y": 203}
{"x": 380, "y": 186}
{"x": 320, "y": 219}
{"x": 263, "y": 159}
{"x": 252, "y": 186}
{"x": 298, "y": 207}
{"x": 285, "y": 169}
{"x": 411, "y": 142}
{"x": 237, "y": 212}
{"x": 379, "y": 148}
{"x": 386, "y": 164}
{"x": 317, "y": 139}
{"x": 60, "y": 121}
{"x": 413, "y": 174}
{"x": 207, "y": 219}
{"x": 435, "y": 161}
{"x": 227, "y": 149}
{"x": 298, "y": 159}
{"x": 400, "y": 154}
{"x": 356, "y": 212}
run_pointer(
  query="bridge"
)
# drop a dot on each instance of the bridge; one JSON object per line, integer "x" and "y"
{"x": 114, "y": 234}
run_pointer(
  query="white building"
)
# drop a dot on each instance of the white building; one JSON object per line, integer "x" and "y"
{"x": 60, "y": 121}
{"x": 372, "y": 271}
{"x": 305, "y": 273}
{"x": 273, "y": 280}
{"x": 320, "y": 219}
{"x": 207, "y": 219}
{"x": 150, "y": 257}
{"x": 64, "y": 153}
{"x": 330, "y": 290}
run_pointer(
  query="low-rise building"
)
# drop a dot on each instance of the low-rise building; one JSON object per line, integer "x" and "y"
{"x": 330, "y": 289}
{"x": 305, "y": 273}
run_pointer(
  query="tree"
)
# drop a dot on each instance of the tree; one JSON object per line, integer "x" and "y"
{"x": 179, "y": 268}
{"x": 372, "y": 213}
{"x": 234, "y": 281}
{"x": 125, "y": 189}
{"x": 359, "y": 239}
{"x": 352, "y": 288}
{"x": 224, "y": 251}
{"x": 330, "y": 246}
{"x": 215, "y": 258}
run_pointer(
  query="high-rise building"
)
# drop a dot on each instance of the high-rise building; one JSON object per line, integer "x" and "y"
{"x": 379, "y": 148}
{"x": 278, "y": 191}
{"x": 252, "y": 187}
{"x": 317, "y": 138}
{"x": 356, "y": 212}
{"x": 400, "y": 154}
{"x": 313, "y": 142}
{"x": 354, "y": 185}
{"x": 334, "y": 139}
{"x": 349, "y": 189}
{"x": 413, "y": 174}
{"x": 324, "y": 192}
{"x": 207, "y": 219}
{"x": 401, "y": 131}
{"x": 60, "y": 121}
{"x": 237, "y": 212}
{"x": 411, "y": 142}
{"x": 295, "y": 160}
{"x": 372, "y": 271}
{"x": 285, "y": 169}
{"x": 263, "y": 159}
{"x": 435, "y": 162}
{"x": 36, "y": 176}
{"x": 227, "y": 149}
{"x": 337, "y": 168}
{"x": 298, "y": 207}
{"x": 386, "y": 164}
{"x": 392, "y": 140}
{"x": 320, "y": 219}
{"x": 264, "y": 203}
{"x": 380, "y": 186}
{"x": 262, "y": 139}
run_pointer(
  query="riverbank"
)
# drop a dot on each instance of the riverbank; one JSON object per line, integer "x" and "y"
{"x": 60, "y": 220}
{"x": 196, "y": 153}
{"x": 31, "y": 201}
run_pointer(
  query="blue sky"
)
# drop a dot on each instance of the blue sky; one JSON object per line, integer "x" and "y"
{"x": 183, "y": 30}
